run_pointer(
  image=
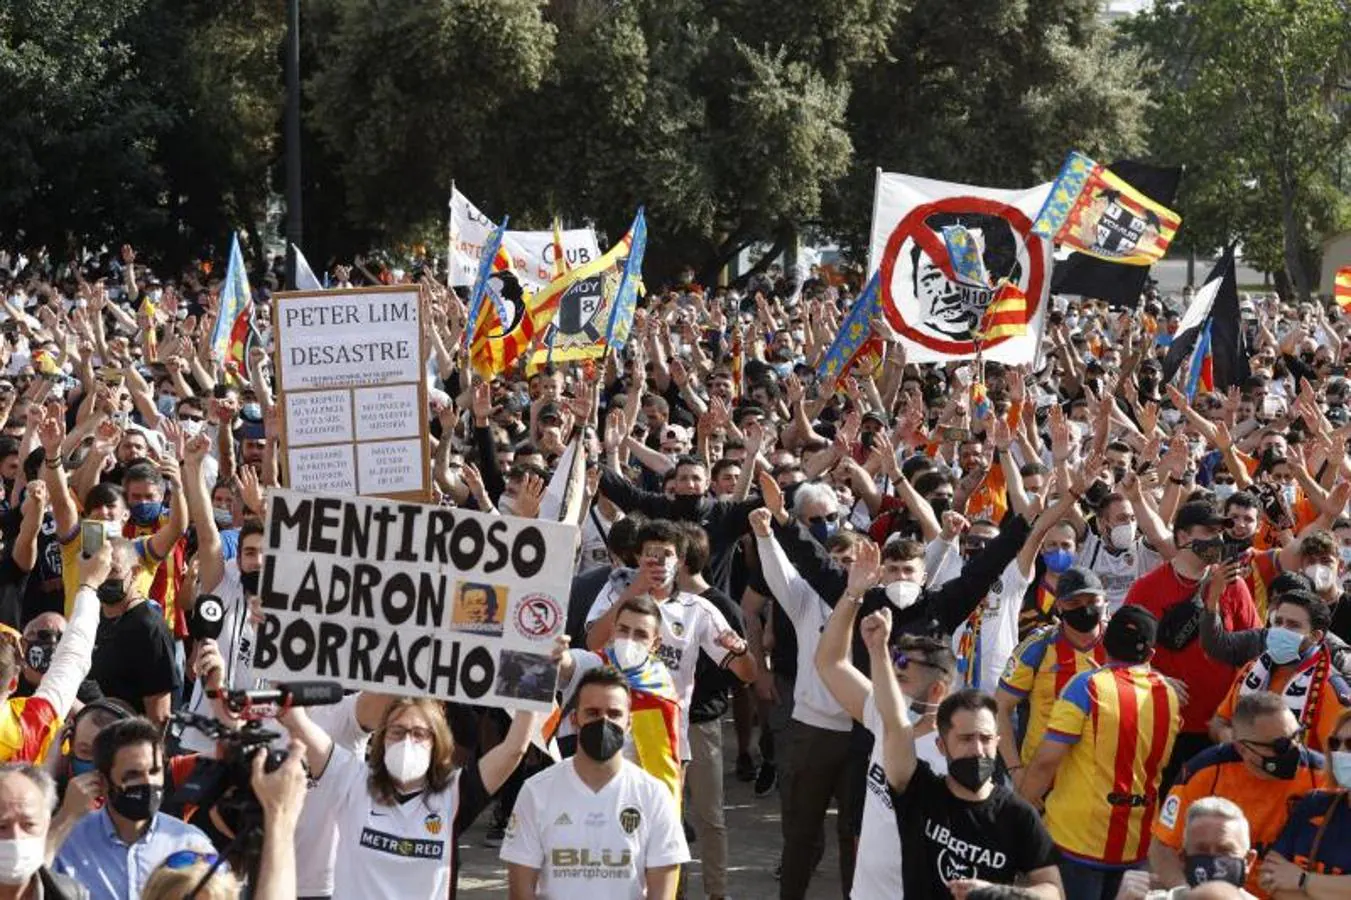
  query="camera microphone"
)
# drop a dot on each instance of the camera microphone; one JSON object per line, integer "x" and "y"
{"x": 281, "y": 697}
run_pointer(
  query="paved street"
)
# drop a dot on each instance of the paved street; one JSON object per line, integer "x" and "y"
{"x": 753, "y": 838}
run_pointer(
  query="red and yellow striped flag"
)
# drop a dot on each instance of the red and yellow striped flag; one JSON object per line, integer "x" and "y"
{"x": 1341, "y": 289}
{"x": 1006, "y": 316}
{"x": 560, "y": 254}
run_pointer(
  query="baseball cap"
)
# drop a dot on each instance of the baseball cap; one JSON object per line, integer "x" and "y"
{"x": 1198, "y": 512}
{"x": 1077, "y": 580}
{"x": 1131, "y": 633}
{"x": 674, "y": 432}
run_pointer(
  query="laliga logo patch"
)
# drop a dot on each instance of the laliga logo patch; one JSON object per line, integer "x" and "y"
{"x": 921, "y": 297}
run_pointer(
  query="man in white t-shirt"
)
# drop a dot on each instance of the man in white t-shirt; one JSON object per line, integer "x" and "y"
{"x": 595, "y": 827}
{"x": 231, "y": 581}
{"x": 689, "y": 623}
{"x": 925, "y": 668}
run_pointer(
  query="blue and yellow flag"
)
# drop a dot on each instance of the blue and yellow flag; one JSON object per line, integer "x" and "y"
{"x": 854, "y": 332}
{"x": 234, "y": 298}
{"x": 967, "y": 256}
{"x": 485, "y": 269}
{"x": 626, "y": 299}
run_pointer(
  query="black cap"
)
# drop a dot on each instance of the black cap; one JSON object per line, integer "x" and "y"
{"x": 1077, "y": 580}
{"x": 1198, "y": 512}
{"x": 1131, "y": 634}
{"x": 551, "y": 412}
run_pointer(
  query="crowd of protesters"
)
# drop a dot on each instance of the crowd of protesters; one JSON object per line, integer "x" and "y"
{"x": 1057, "y": 630}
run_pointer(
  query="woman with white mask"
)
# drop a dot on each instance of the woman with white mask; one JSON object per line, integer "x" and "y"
{"x": 400, "y": 811}
{"x": 1316, "y": 839}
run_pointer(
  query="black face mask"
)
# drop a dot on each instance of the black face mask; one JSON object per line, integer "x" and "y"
{"x": 1085, "y": 618}
{"x": 1285, "y": 763}
{"x": 971, "y": 772}
{"x": 39, "y": 656}
{"x": 600, "y": 739}
{"x": 940, "y": 505}
{"x": 1201, "y": 867}
{"x": 249, "y": 581}
{"x": 112, "y": 592}
{"x": 137, "y": 802}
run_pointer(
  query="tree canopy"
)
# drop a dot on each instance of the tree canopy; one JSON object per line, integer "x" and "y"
{"x": 734, "y": 121}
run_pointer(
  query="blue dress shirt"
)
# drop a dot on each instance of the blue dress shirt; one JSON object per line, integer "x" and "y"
{"x": 96, "y": 857}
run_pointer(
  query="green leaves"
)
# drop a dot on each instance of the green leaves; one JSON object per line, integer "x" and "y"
{"x": 1252, "y": 97}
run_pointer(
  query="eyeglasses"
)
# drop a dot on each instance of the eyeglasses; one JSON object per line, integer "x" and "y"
{"x": 419, "y": 734}
{"x": 182, "y": 859}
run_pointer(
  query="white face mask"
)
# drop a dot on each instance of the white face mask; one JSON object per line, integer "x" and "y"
{"x": 1224, "y": 491}
{"x": 407, "y": 761}
{"x": 1123, "y": 535}
{"x": 191, "y": 427}
{"x": 20, "y": 858}
{"x": 630, "y": 654}
{"x": 902, "y": 594}
{"x": 1322, "y": 576}
{"x": 506, "y": 506}
{"x": 668, "y": 569}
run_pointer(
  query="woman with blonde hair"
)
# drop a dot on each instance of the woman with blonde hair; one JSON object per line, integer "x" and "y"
{"x": 400, "y": 811}
{"x": 178, "y": 877}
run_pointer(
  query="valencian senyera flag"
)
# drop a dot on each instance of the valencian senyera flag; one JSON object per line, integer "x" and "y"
{"x": 1094, "y": 211}
{"x": 1006, "y": 316}
{"x": 583, "y": 299}
{"x": 855, "y": 335}
{"x": 1341, "y": 289}
{"x": 966, "y": 251}
{"x": 487, "y": 264}
{"x": 505, "y": 328}
{"x": 234, "y": 298}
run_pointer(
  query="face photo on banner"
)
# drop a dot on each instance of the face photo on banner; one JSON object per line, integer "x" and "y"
{"x": 412, "y": 599}
{"x": 937, "y": 312}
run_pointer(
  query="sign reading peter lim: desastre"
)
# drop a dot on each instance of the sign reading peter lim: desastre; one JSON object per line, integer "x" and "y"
{"x": 413, "y": 599}
{"x": 352, "y": 392}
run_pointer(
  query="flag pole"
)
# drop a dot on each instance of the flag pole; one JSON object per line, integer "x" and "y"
{"x": 450, "y": 237}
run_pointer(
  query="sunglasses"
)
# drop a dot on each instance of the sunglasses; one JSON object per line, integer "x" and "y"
{"x": 831, "y": 518}
{"x": 902, "y": 660}
{"x": 1336, "y": 744}
{"x": 45, "y": 636}
{"x": 1279, "y": 746}
{"x": 183, "y": 859}
{"x": 191, "y": 417}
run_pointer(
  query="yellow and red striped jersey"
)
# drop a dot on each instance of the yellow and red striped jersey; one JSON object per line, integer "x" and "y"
{"x": 1040, "y": 668}
{"x": 27, "y": 726}
{"x": 1121, "y": 722}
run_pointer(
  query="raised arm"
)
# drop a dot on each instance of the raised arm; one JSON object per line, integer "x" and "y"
{"x": 846, "y": 683}
{"x": 210, "y": 555}
{"x": 898, "y": 733}
{"x": 54, "y": 474}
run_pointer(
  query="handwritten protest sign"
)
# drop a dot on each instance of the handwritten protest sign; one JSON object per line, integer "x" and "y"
{"x": 351, "y": 389}
{"x": 413, "y": 599}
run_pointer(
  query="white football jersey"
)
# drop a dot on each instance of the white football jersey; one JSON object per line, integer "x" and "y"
{"x": 594, "y": 845}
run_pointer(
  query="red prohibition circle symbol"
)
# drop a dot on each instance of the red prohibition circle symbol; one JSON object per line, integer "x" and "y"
{"x": 913, "y": 227}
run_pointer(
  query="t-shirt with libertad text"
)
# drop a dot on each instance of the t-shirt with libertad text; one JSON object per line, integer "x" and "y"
{"x": 948, "y": 839}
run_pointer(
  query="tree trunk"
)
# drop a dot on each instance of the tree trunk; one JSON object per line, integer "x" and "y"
{"x": 1290, "y": 244}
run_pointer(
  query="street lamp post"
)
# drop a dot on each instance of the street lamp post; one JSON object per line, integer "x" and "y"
{"x": 294, "y": 218}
